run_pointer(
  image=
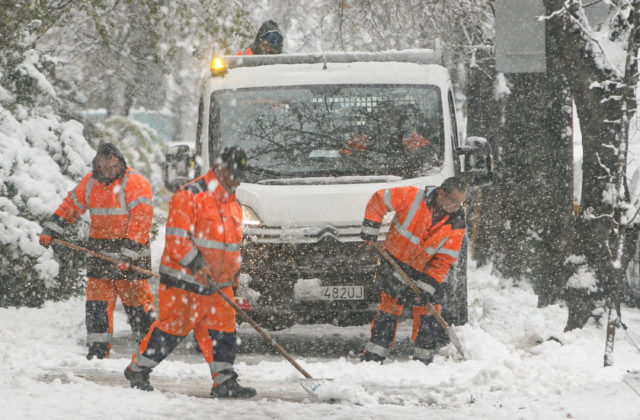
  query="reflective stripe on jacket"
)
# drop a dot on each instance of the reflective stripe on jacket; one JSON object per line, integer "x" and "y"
{"x": 204, "y": 227}
{"x": 121, "y": 215}
{"x": 412, "y": 238}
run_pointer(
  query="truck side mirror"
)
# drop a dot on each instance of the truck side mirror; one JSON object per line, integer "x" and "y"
{"x": 177, "y": 167}
{"x": 478, "y": 162}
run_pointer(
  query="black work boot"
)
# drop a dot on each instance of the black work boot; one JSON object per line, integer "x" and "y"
{"x": 99, "y": 350}
{"x": 426, "y": 356}
{"x": 367, "y": 356}
{"x": 232, "y": 389}
{"x": 139, "y": 380}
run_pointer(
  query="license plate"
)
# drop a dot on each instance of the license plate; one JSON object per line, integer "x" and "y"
{"x": 341, "y": 292}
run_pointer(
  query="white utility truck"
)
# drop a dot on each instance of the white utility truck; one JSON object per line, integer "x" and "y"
{"x": 322, "y": 133}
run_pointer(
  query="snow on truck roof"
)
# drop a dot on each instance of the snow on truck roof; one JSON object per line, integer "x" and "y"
{"x": 395, "y": 67}
{"x": 418, "y": 56}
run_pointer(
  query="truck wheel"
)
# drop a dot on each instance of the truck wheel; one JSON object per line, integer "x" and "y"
{"x": 273, "y": 309}
{"x": 357, "y": 319}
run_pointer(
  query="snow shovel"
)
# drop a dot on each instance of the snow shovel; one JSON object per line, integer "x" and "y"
{"x": 432, "y": 310}
{"x": 309, "y": 384}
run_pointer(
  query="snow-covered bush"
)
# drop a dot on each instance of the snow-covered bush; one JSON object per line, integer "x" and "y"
{"x": 41, "y": 158}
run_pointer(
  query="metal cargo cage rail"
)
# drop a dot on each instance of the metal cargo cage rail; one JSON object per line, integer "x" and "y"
{"x": 417, "y": 56}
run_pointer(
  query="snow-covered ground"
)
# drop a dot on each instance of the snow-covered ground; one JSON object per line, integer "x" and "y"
{"x": 512, "y": 371}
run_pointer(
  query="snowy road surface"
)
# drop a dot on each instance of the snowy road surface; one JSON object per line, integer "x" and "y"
{"x": 512, "y": 371}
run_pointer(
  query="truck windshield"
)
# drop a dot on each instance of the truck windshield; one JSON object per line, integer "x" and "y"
{"x": 332, "y": 130}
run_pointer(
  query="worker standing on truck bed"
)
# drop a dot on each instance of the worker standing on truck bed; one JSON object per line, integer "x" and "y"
{"x": 268, "y": 41}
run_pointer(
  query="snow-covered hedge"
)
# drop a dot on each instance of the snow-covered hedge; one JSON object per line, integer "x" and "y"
{"x": 41, "y": 158}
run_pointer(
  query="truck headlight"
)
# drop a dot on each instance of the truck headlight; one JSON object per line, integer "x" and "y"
{"x": 249, "y": 217}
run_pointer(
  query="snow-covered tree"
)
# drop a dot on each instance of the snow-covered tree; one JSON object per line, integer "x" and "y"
{"x": 601, "y": 69}
{"x": 40, "y": 153}
{"x": 58, "y": 57}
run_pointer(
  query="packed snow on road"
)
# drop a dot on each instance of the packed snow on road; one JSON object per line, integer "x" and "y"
{"x": 519, "y": 364}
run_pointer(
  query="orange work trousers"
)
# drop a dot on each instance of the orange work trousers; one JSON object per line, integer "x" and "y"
{"x": 390, "y": 305}
{"x": 104, "y": 292}
{"x": 180, "y": 311}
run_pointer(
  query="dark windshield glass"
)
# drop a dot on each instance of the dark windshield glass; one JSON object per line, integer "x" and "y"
{"x": 344, "y": 130}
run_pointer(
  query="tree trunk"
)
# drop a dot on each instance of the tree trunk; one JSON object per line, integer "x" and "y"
{"x": 537, "y": 187}
{"x": 523, "y": 217}
{"x": 596, "y": 93}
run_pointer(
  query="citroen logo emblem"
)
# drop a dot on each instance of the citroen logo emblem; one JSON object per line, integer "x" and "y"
{"x": 328, "y": 232}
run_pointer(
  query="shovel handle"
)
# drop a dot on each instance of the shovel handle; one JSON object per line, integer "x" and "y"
{"x": 257, "y": 327}
{"x": 215, "y": 288}
{"x": 103, "y": 257}
{"x": 432, "y": 310}
{"x": 410, "y": 283}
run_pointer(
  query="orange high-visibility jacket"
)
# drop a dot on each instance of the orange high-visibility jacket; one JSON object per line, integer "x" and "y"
{"x": 246, "y": 51}
{"x": 121, "y": 218}
{"x": 204, "y": 227}
{"x": 413, "y": 239}
{"x": 121, "y": 210}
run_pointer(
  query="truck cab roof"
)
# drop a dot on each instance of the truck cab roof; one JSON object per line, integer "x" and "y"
{"x": 421, "y": 66}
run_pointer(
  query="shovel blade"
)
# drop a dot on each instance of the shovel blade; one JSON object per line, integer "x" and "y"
{"x": 313, "y": 386}
{"x": 456, "y": 342}
{"x": 332, "y": 391}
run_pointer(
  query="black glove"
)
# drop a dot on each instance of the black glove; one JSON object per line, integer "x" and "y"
{"x": 52, "y": 228}
{"x": 423, "y": 298}
{"x": 369, "y": 232}
{"x": 130, "y": 253}
{"x": 406, "y": 296}
{"x": 124, "y": 264}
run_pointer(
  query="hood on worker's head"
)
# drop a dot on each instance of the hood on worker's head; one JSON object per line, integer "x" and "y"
{"x": 107, "y": 150}
{"x": 270, "y": 32}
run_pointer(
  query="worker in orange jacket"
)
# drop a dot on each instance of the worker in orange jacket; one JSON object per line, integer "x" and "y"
{"x": 119, "y": 200}
{"x": 203, "y": 237}
{"x": 268, "y": 41}
{"x": 424, "y": 238}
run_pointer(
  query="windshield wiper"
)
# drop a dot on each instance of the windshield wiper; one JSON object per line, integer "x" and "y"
{"x": 303, "y": 174}
{"x": 329, "y": 180}
{"x": 263, "y": 171}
